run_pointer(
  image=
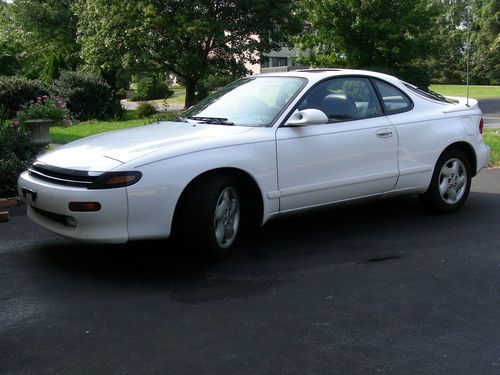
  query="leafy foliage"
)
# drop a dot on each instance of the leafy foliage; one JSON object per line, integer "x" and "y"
{"x": 8, "y": 59}
{"x": 16, "y": 152}
{"x": 150, "y": 88}
{"x": 53, "y": 67}
{"x": 16, "y": 91}
{"x": 363, "y": 34}
{"x": 192, "y": 39}
{"x": 485, "y": 42}
{"x": 145, "y": 110}
{"x": 87, "y": 95}
{"x": 40, "y": 29}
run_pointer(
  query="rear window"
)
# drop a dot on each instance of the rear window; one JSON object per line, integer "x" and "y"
{"x": 430, "y": 94}
{"x": 393, "y": 99}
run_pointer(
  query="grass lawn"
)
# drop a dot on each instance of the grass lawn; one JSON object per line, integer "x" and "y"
{"x": 461, "y": 90}
{"x": 492, "y": 139}
{"x": 178, "y": 97}
{"x": 88, "y": 128}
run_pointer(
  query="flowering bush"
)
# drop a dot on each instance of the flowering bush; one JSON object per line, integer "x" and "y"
{"x": 44, "y": 107}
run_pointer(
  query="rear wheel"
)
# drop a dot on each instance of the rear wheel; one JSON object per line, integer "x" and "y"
{"x": 211, "y": 216}
{"x": 450, "y": 184}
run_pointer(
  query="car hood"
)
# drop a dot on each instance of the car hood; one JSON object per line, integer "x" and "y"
{"x": 109, "y": 150}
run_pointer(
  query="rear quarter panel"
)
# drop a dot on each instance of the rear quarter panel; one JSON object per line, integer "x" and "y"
{"x": 424, "y": 133}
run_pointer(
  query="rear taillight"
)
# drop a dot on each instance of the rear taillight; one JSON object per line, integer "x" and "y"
{"x": 481, "y": 125}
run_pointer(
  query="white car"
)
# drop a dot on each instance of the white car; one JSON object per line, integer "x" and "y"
{"x": 261, "y": 147}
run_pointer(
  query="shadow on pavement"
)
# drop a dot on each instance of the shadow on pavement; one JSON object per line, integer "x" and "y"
{"x": 364, "y": 234}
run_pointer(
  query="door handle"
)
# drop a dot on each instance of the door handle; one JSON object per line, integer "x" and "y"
{"x": 384, "y": 133}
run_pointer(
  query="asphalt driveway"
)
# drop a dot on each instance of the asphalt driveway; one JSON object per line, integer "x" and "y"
{"x": 382, "y": 288}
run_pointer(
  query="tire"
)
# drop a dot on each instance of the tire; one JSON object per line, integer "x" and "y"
{"x": 450, "y": 184}
{"x": 211, "y": 216}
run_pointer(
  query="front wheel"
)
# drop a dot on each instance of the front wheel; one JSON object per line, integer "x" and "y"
{"x": 211, "y": 216}
{"x": 450, "y": 184}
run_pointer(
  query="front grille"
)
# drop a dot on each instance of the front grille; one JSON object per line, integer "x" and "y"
{"x": 61, "y": 176}
{"x": 61, "y": 219}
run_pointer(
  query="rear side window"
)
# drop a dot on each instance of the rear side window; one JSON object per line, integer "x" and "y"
{"x": 393, "y": 99}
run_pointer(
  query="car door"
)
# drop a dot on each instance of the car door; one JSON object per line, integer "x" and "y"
{"x": 353, "y": 155}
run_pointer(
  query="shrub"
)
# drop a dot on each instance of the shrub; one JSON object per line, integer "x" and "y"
{"x": 150, "y": 88}
{"x": 87, "y": 95}
{"x": 16, "y": 152}
{"x": 121, "y": 93}
{"x": 145, "y": 110}
{"x": 16, "y": 91}
{"x": 215, "y": 82}
{"x": 52, "y": 70}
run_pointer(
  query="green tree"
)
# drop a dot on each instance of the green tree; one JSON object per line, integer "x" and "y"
{"x": 467, "y": 29}
{"x": 367, "y": 33}
{"x": 113, "y": 35}
{"x": 8, "y": 60}
{"x": 40, "y": 29}
{"x": 192, "y": 39}
{"x": 450, "y": 37}
{"x": 485, "y": 42}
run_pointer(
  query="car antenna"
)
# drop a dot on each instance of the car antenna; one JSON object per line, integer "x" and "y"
{"x": 468, "y": 53}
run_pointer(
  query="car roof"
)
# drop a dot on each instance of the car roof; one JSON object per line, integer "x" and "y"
{"x": 315, "y": 75}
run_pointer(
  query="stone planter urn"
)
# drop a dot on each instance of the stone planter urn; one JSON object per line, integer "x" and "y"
{"x": 39, "y": 130}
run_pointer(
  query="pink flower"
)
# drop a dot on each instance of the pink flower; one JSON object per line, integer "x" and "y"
{"x": 15, "y": 123}
{"x": 38, "y": 98}
{"x": 68, "y": 122}
{"x": 62, "y": 105}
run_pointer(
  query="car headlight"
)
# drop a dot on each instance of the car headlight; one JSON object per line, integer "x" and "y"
{"x": 112, "y": 180}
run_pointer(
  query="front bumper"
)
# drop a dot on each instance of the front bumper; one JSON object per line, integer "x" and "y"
{"x": 50, "y": 210}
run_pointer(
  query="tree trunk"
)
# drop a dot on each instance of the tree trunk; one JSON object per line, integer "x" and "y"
{"x": 190, "y": 93}
{"x": 110, "y": 78}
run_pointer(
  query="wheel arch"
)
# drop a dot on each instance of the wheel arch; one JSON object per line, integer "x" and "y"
{"x": 249, "y": 184}
{"x": 469, "y": 152}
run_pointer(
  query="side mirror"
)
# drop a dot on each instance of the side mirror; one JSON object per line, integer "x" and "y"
{"x": 307, "y": 117}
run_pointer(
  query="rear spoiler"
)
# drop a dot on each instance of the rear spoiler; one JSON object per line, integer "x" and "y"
{"x": 461, "y": 105}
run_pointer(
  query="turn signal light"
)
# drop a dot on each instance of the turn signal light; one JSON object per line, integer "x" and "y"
{"x": 112, "y": 180}
{"x": 481, "y": 125}
{"x": 84, "y": 206}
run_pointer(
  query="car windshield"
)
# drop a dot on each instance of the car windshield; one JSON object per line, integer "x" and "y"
{"x": 251, "y": 101}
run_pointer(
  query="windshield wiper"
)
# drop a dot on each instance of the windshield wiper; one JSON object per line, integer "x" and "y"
{"x": 212, "y": 120}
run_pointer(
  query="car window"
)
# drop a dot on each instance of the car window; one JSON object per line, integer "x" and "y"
{"x": 394, "y": 100}
{"x": 252, "y": 101}
{"x": 342, "y": 99}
